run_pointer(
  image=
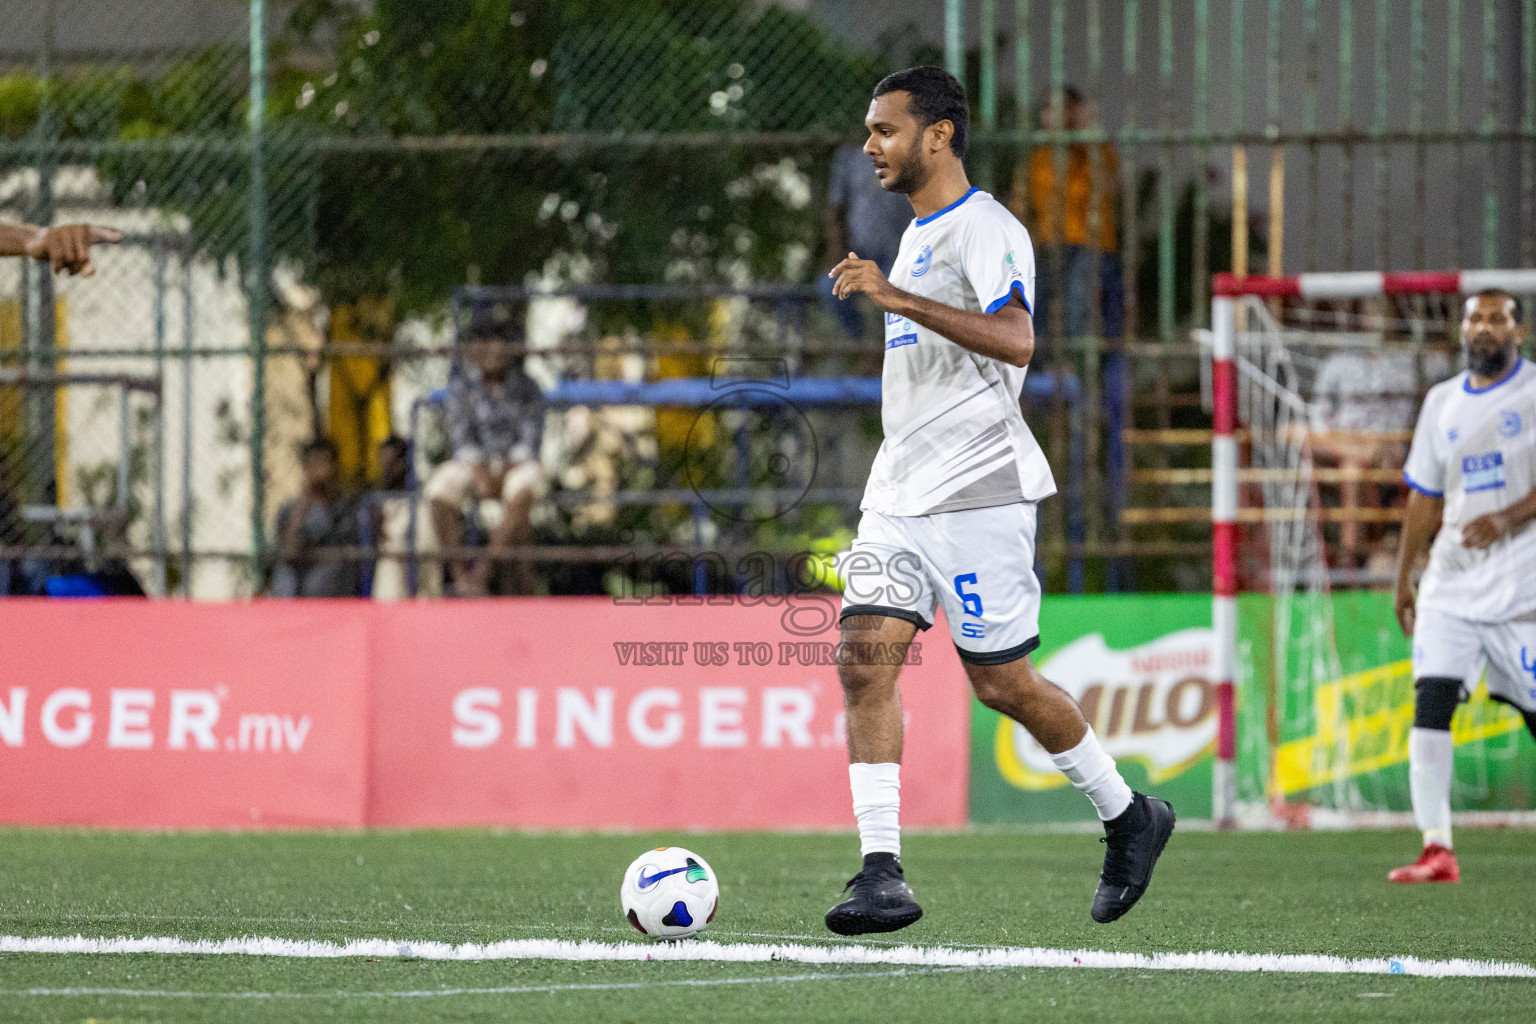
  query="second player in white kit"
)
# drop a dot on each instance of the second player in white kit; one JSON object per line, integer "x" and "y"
{"x": 1475, "y": 448}
{"x": 949, "y": 510}
{"x": 1472, "y": 469}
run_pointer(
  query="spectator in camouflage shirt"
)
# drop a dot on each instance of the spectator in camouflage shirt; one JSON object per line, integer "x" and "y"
{"x": 495, "y": 421}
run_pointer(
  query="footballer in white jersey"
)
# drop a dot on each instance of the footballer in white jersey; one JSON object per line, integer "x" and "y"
{"x": 1472, "y": 470}
{"x": 949, "y": 510}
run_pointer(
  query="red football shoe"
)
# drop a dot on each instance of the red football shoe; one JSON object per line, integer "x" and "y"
{"x": 1435, "y": 864}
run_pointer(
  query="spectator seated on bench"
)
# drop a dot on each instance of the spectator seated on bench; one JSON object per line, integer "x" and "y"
{"x": 389, "y": 515}
{"x": 320, "y": 517}
{"x": 494, "y": 414}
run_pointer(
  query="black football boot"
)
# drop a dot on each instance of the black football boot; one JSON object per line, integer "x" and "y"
{"x": 881, "y": 900}
{"x": 1135, "y": 840}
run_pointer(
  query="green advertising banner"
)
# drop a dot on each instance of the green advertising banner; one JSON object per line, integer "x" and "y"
{"x": 1326, "y": 724}
{"x": 1140, "y": 666}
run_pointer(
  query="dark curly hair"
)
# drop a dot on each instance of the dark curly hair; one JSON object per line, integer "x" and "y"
{"x": 936, "y": 95}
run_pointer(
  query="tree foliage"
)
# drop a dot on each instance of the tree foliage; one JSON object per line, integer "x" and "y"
{"x": 498, "y": 208}
{"x": 413, "y": 146}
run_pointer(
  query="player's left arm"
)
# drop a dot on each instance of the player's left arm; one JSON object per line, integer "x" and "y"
{"x": 1008, "y": 334}
{"x": 65, "y": 247}
{"x": 1485, "y": 530}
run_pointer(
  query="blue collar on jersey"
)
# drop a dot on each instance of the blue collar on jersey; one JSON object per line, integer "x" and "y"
{"x": 935, "y": 216}
{"x": 1466, "y": 385}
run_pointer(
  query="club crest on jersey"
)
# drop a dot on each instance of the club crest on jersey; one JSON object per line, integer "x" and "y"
{"x": 1453, "y": 434}
{"x": 1482, "y": 472}
{"x": 923, "y": 262}
{"x": 1509, "y": 423}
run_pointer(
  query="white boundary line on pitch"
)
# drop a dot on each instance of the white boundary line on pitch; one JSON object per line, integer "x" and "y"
{"x": 756, "y": 952}
{"x": 504, "y": 990}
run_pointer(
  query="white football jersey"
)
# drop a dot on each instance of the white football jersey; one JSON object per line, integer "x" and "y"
{"x": 955, "y": 436}
{"x": 1477, "y": 450}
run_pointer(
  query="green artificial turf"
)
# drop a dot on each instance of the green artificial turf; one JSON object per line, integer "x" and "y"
{"x": 1259, "y": 893}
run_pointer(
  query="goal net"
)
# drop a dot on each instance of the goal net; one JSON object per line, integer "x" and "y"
{"x": 1316, "y": 384}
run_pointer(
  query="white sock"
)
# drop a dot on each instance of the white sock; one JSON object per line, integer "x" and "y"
{"x": 1093, "y": 772}
{"x": 877, "y": 805}
{"x": 1429, "y": 782}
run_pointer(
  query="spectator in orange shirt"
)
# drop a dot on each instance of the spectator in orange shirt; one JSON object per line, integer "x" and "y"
{"x": 1057, "y": 218}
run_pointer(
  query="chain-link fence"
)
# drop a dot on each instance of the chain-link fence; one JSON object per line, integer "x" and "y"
{"x": 123, "y": 418}
{"x": 299, "y": 213}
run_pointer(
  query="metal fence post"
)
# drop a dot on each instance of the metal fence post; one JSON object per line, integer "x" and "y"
{"x": 988, "y": 90}
{"x": 954, "y": 38}
{"x": 1346, "y": 258}
{"x": 986, "y": 168}
{"x": 186, "y": 422}
{"x": 1528, "y": 123}
{"x": 41, "y": 329}
{"x": 256, "y": 282}
{"x": 1490, "y": 123}
{"x": 158, "y": 467}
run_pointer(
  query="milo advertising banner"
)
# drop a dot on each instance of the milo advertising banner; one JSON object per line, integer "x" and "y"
{"x": 1324, "y": 721}
{"x": 1140, "y": 667}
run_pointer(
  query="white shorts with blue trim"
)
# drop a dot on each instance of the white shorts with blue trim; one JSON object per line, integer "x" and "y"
{"x": 1446, "y": 646}
{"x": 978, "y": 563}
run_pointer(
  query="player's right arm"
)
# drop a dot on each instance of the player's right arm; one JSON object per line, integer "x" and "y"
{"x": 998, "y": 261}
{"x": 1006, "y": 334}
{"x": 1486, "y": 530}
{"x": 66, "y": 247}
{"x": 1419, "y": 527}
{"x": 1424, "y": 473}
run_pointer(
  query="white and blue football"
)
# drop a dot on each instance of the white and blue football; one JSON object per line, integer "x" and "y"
{"x": 670, "y": 893}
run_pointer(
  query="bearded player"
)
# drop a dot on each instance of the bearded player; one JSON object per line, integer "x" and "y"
{"x": 1472, "y": 469}
{"x": 949, "y": 510}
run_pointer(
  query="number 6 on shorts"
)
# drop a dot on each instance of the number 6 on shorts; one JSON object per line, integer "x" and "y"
{"x": 972, "y": 602}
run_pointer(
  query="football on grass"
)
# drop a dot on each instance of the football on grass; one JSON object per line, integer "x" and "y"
{"x": 670, "y": 893}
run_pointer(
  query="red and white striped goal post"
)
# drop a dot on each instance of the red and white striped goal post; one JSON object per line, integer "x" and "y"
{"x": 1226, "y": 290}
